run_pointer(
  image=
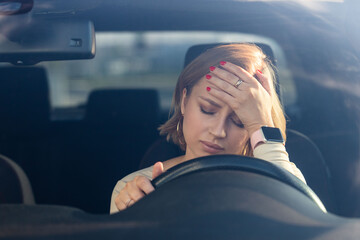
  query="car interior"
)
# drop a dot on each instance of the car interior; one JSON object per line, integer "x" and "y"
{"x": 78, "y": 158}
{"x": 84, "y": 87}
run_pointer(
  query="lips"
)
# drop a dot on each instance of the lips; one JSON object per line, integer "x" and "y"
{"x": 211, "y": 148}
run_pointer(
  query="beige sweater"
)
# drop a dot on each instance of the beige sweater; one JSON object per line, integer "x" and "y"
{"x": 272, "y": 152}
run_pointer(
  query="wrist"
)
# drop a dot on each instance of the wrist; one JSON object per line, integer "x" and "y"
{"x": 252, "y": 129}
{"x": 266, "y": 134}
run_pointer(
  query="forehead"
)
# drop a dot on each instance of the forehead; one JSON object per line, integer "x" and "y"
{"x": 199, "y": 91}
{"x": 201, "y": 84}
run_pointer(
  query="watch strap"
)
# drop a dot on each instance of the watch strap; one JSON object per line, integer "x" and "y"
{"x": 256, "y": 138}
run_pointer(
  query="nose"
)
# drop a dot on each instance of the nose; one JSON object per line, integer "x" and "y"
{"x": 218, "y": 128}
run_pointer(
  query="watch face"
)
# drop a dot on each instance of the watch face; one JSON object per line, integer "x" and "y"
{"x": 272, "y": 134}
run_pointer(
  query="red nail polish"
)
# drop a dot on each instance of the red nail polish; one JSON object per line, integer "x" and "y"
{"x": 208, "y": 89}
{"x": 208, "y": 76}
{"x": 212, "y": 68}
{"x": 222, "y": 63}
{"x": 259, "y": 71}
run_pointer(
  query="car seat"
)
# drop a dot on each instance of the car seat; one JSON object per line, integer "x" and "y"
{"x": 194, "y": 51}
{"x": 14, "y": 184}
{"x": 25, "y": 123}
{"x": 118, "y": 127}
{"x": 24, "y": 101}
{"x": 130, "y": 116}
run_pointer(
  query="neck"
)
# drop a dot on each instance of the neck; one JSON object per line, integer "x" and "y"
{"x": 174, "y": 161}
{"x": 177, "y": 160}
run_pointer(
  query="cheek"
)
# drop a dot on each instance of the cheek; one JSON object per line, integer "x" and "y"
{"x": 192, "y": 124}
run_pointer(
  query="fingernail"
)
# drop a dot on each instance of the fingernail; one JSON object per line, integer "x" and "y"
{"x": 259, "y": 71}
{"x": 212, "y": 68}
{"x": 208, "y": 76}
{"x": 222, "y": 63}
{"x": 208, "y": 89}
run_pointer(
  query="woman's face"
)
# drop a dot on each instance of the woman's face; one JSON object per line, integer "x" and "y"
{"x": 209, "y": 125}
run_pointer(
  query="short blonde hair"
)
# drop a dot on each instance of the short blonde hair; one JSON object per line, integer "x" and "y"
{"x": 248, "y": 56}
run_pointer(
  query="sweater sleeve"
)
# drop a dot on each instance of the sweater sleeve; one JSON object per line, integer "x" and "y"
{"x": 146, "y": 172}
{"x": 276, "y": 154}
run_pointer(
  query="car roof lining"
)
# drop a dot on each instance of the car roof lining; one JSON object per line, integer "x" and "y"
{"x": 128, "y": 14}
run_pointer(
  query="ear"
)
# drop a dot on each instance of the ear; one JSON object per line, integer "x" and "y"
{"x": 183, "y": 101}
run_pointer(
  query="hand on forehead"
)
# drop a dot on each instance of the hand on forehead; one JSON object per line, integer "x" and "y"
{"x": 202, "y": 87}
{"x": 231, "y": 73}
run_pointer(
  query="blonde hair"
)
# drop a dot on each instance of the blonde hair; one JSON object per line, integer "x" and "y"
{"x": 248, "y": 56}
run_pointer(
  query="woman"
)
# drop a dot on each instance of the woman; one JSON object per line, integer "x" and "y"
{"x": 221, "y": 102}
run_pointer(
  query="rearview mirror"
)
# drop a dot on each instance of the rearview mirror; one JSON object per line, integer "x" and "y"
{"x": 13, "y": 7}
{"x": 24, "y": 42}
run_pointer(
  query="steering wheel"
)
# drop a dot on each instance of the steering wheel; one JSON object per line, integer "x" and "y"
{"x": 241, "y": 163}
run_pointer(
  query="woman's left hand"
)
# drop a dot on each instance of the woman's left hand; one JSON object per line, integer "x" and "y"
{"x": 251, "y": 100}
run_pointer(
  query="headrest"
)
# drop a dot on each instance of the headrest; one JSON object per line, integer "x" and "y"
{"x": 24, "y": 100}
{"x": 123, "y": 106}
{"x": 194, "y": 51}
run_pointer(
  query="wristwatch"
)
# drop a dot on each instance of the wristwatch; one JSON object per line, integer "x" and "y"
{"x": 266, "y": 135}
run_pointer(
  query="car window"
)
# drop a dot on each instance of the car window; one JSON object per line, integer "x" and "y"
{"x": 142, "y": 60}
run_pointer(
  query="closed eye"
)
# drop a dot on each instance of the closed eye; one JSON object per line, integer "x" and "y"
{"x": 237, "y": 122}
{"x": 206, "y": 112}
{"x": 240, "y": 125}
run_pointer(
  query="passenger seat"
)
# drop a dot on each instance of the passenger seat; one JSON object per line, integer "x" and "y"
{"x": 119, "y": 125}
{"x": 25, "y": 124}
{"x": 14, "y": 184}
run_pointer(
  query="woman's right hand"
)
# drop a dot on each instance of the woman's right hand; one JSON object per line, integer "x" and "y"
{"x": 251, "y": 101}
{"x": 137, "y": 188}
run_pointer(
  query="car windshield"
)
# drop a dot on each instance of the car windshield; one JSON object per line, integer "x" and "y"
{"x": 141, "y": 60}
{"x": 86, "y": 84}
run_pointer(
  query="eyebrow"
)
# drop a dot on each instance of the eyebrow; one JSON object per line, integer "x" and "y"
{"x": 210, "y": 101}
